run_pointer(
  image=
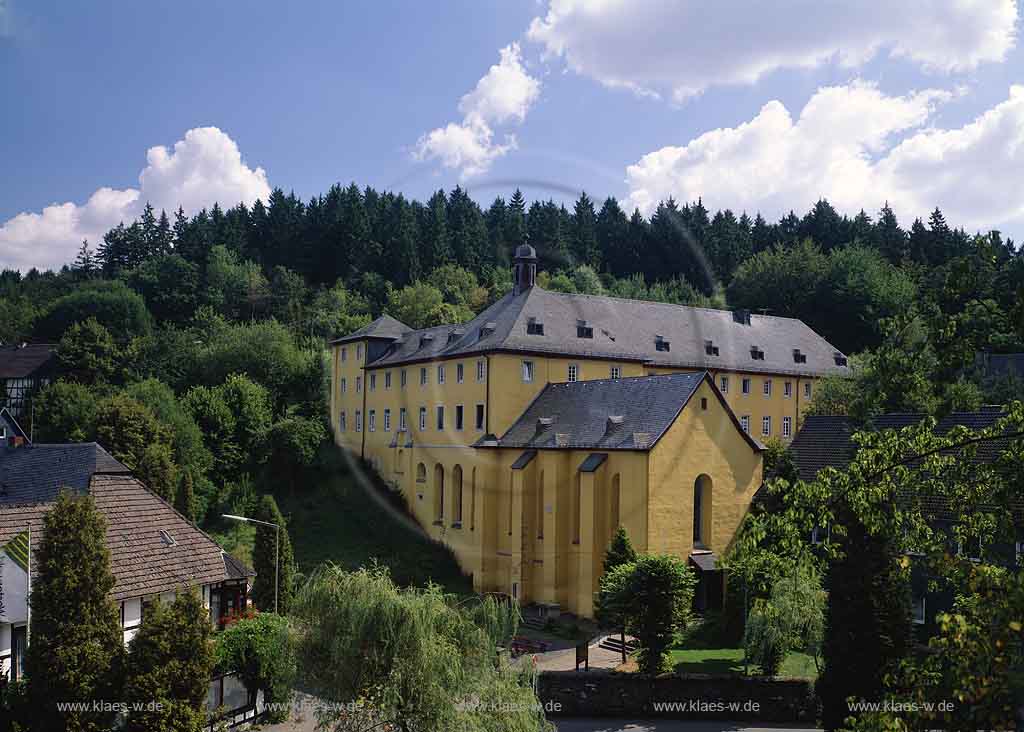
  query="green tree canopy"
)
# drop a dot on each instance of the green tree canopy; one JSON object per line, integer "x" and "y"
{"x": 261, "y": 650}
{"x": 273, "y": 560}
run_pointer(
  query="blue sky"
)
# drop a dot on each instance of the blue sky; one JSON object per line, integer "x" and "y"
{"x": 754, "y": 109}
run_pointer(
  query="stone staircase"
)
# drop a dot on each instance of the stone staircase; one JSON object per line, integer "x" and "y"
{"x": 613, "y": 642}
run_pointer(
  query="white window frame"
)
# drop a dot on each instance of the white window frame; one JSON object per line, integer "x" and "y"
{"x": 460, "y": 373}
{"x": 787, "y": 389}
{"x": 342, "y": 422}
{"x": 359, "y": 352}
{"x": 766, "y": 425}
{"x": 767, "y": 389}
{"x": 423, "y": 376}
{"x": 373, "y": 420}
{"x": 387, "y": 420}
{"x": 423, "y": 419}
{"x": 807, "y": 390}
{"x": 616, "y": 372}
{"x": 373, "y": 382}
{"x": 481, "y": 410}
{"x": 723, "y": 384}
{"x": 745, "y": 386}
{"x": 787, "y": 426}
{"x": 573, "y": 374}
{"x": 387, "y": 379}
{"x": 344, "y": 385}
{"x": 528, "y": 372}
{"x": 439, "y": 417}
{"x": 481, "y": 369}
{"x": 403, "y": 421}
{"x": 745, "y": 423}
{"x": 403, "y": 378}
{"x": 359, "y": 384}
{"x": 359, "y": 420}
{"x": 919, "y": 619}
{"x": 440, "y": 373}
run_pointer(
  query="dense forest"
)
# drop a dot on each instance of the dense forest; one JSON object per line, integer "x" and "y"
{"x": 194, "y": 348}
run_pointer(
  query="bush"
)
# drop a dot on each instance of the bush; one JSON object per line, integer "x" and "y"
{"x": 261, "y": 650}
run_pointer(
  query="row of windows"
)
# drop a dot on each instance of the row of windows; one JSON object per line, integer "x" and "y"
{"x": 766, "y": 387}
{"x": 573, "y": 372}
{"x": 359, "y": 353}
{"x": 766, "y": 425}
{"x": 403, "y": 376}
{"x": 371, "y": 415}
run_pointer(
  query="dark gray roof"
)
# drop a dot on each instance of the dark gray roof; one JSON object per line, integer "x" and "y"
{"x": 27, "y": 360}
{"x": 383, "y": 327}
{"x": 36, "y": 473}
{"x": 605, "y": 414}
{"x": 13, "y": 428}
{"x": 523, "y": 460}
{"x": 705, "y": 561}
{"x": 623, "y": 330}
{"x": 593, "y": 461}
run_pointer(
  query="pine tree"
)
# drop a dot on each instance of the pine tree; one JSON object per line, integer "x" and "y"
{"x": 168, "y": 668}
{"x": 891, "y": 239}
{"x": 185, "y": 500}
{"x": 584, "y": 234}
{"x": 263, "y": 555}
{"x": 437, "y": 246}
{"x": 620, "y": 550}
{"x": 77, "y": 648}
{"x": 85, "y": 262}
{"x": 515, "y": 221}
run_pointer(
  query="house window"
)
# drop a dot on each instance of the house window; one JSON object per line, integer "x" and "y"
{"x": 359, "y": 352}
{"x": 807, "y": 390}
{"x": 387, "y": 379}
{"x": 704, "y": 404}
{"x": 423, "y": 419}
{"x": 458, "y": 416}
{"x": 723, "y": 382}
{"x": 440, "y": 374}
{"x": 767, "y": 388}
{"x": 746, "y": 386}
{"x": 1019, "y": 553}
{"x": 917, "y": 609}
{"x": 819, "y": 534}
{"x": 480, "y": 417}
{"x": 344, "y": 385}
{"x": 359, "y": 421}
{"x": 480, "y": 370}
{"x": 766, "y": 426}
{"x": 799, "y": 357}
{"x": 402, "y": 423}
{"x": 584, "y": 331}
{"x": 373, "y": 382}
{"x": 359, "y": 384}
{"x": 574, "y": 371}
{"x": 344, "y": 354}
{"x": 756, "y": 353}
{"x": 787, "y": 426}
{"x": 710, "y": 348}
{"x": 787, "y": 389}
{"x": 460, "y": 373}
{"x": 373, "y": 420}
{"x": 423, "y": 376}
{"x": 527, "y": 371}
{"x": 387, "y": 420}
{"x": 402, "y": 378}
{"x": 660, "y": 344}
{"x": 440, "y": 417}
{"x": 533, "y": 327}
{"x": 342, "y": 422}
{"x": 616, "y": 372}
{"x": 745, "y": 423}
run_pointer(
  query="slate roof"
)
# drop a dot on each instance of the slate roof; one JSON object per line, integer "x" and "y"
{"x": 144, "y": 560}
{"x": 26, "y": 359}
{"x": 624, "y": 330}
{"x": 383, "y": 327}
{"x": 36, "y": 473}
{"x": 606, "y": 414}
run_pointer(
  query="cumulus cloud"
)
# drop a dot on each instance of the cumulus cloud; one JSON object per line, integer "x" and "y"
{"x": 204, "y": 168}
{"x": 503, "y": 95}
{"x": 653, "y": 47}
{"x": 857, "y": 147}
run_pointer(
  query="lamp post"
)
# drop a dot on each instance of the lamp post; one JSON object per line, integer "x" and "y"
{"x": 277, "y": 545}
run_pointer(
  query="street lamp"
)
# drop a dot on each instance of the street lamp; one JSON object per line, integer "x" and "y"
{"x": 277, "y": 544}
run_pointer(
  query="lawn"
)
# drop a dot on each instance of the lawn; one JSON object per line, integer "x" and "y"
{"x": 332, "y": 516}
{"x": 730, "y": 661}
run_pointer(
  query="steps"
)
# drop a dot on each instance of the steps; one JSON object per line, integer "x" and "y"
{"x": 533, "y": 621}
{"x": 613, "y": 642}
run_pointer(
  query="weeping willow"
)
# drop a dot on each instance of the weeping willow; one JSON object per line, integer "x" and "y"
{"x": 385, "y": 657}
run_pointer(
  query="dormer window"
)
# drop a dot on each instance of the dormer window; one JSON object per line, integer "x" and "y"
{"x": 710, "y": 348}
{"x": 583, "y": 330}
{"x": 660, "y": 344}
{"x": 534, "y": 327}
{"x": 799, "y": 357}
{"x": 756, "y": 353}
{"x": 455, "y": 335}
{"x": 487, "y": 328}
{"x": 167, "y": 538}
{"x": 840, "y": 359}
{"x": 426, "y": 339}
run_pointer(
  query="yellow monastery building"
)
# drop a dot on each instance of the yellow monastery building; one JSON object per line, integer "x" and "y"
{"x": 523, "y": 438}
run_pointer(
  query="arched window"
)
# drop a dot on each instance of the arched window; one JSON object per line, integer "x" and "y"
{"x": 457, "y": 495}
{"x": 439, "y": 492}
{"x": 702, "y": 511}
{"x": 421, "y": 473}
{"x": 615, "y": 503}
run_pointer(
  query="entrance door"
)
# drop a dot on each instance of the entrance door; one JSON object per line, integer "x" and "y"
{"x": 19, "y": 637}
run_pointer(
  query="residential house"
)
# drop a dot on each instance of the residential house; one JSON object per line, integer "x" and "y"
{"x": 24, "y": 369}
{"x": 523, "y": 438}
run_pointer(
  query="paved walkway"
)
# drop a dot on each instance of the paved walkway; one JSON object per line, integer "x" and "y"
{"x": 565, "y": 660}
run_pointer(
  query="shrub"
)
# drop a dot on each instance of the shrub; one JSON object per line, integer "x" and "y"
{"x": 260, "y": 649}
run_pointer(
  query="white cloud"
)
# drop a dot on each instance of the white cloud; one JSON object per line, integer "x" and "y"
{"x": 203, "y": 168}
{"x": 504, "y": 94}
{"x": 857, "y": 147}
{"x": 653, "y": 46}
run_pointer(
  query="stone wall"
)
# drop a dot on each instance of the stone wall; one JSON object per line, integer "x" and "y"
{"x": 690, "y": 696}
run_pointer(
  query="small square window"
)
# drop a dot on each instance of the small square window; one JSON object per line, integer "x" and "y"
{"x": 756, "y": 353}
{"x": 710, "y": 349}
{"x": 616, "y": 372}
{"x": 660, "y": 344}
{"x": 584, "y": 331}
{"x": 460, "y": 373}
{"x": 527, "y": 372}
{"x": 746, "y": 386}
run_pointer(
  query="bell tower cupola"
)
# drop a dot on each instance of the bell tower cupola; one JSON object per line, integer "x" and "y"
{"x": 524, "y": 274}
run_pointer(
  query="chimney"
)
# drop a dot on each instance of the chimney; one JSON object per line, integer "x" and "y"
{"x": 614, "y": 423}
{"x": 543, "y": 424}
{"x": 741, "y": 316}
{"x": 524, "y": 273}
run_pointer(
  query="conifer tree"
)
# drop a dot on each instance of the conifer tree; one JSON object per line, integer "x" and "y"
{"x": 85, "y": 262}
{"x": 620, "y": 552}
{"x": 77, "y": 647}
{"x": 168, "y": 668}
{"x": 515, "y": 220}
{"x": 584, "y": 235}
{"x": 437, "y": 247}
{"x": 185, "y": 500}
{"x": 892, "y": 240}
{"x": 263, "y": 555}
